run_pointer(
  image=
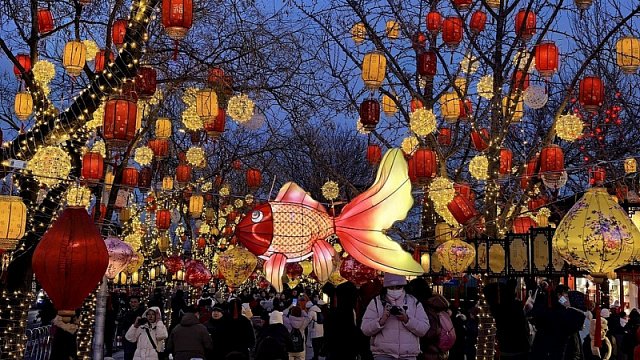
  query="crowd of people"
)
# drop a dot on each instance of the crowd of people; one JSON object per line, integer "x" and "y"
{"x": 392, "y": 319}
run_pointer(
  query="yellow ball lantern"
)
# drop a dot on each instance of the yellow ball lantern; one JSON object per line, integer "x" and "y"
{"x": 307, "y": 267}
{"x": 13, "y": 220}
{"x": 513, "y": 107}
{"x": 597, "y": 235}
{"x": 74, "y": 57}
{"x": 23, "y": 105}
{"x": 441, "y": 191}
{"x": 167, "y": 183}
{"x": 392, "y": 29}
{"x": 163, "y": 128}
{"x": 461, "y": 84}
{"x": 50, "y": 165}
{"x": 456, "y": 255}
{"x": 374, "y": 67}
{"x": 143, "y": 155}
{"x": 485, "y": 87}
{"x": 206, "y": 104}
{"x": 236, "y": 265}
{"x": 569, "y": 127}
{"x": 423, "y": 122}
{"x": 196, "y": 157}
{"x": 196, "y": 203}
{"x": 630, "y": 165}
{"x": 410, "y": 145}
{"x": 628, "y": 54}
{"x": 359, "y": 33}
{"x": 450, "y": 106}
{"x": 240, "y": 108}
{"x": 389, "y": 107}
{"x": 479, "y": 167}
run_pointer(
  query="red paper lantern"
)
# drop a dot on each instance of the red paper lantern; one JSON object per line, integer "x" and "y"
{"x": 101, "y": 60}
{"x": 466, "y": 109}
{"x": 525, "y": 26}
{"x": 506, "y": 161}
{"x": 145, "y": 177}
{"x": 480, "y": 139}
{"x": 197, "y": 274}
{"x": 183, "y": 174}
{"x": 70, "y": 260}
{"x": 374, "y": 154}
{"x": 416, "y": 104}
{"x": 236, "y": 164}
{"x": 522, "y": 224}
{"x": 370, "y": 114}
{"x": 434, "y": 22}
{"x": 452, "y": 31}
{"x": 103, "y": 213}
{"x": 177, "y": 17}
{"x": 427, "y": 64}
{"x": 215, "y": 126}
{"x": 146, "y": 81}
{"x": 462, "y": 209}
{"x": 547, "y": 58}
{"x": 130, "y": 176}
{"x": 254, "y": 178}
{"x": 160, "y": 147}
{"x": 597, "y": 176}
{"x": 425, "y": 164}
{"x": 418, "y": 41}
{"x": 529, "y": 172}
{"x": 536, "y": 203}
{"x": 215, "y": 77}
{"x": 520, "y": 80}
{"x": 293, "y": 270}
{"x": 461, "y": 5}
{"x": 444, "y": 136}
{"x": 174, "y": 264}
{"x": 356, "y": 272}
{"x": 119, "y": 123}
{"x": 551, "y": 161}
{"x": 591, "y": 93}
{"x": 118, "y": 32}
{"x": 92, "y": 166}
{"x": 478, "y": 21}
{"x": 463, "y": 189}
{"x": 45, "y": 21}
{"x": 25, "y": 61}
{"x": 202, "y": 243}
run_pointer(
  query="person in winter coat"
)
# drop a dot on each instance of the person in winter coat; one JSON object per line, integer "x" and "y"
{"x": 429, "y": 342}
{"x": 149, "y": 333}
{"x": 511, "y": 323}
{"x": 395, "y": 321}
{"x": 273, "y": 339}
{"x": 189, "y": 339}
{"x": 296, "y": 319}
{"x": 340, "y": 327}
{"x": 219, "y": 330}
{"x": 64, "y": 345}
{"x": 316, "y": 330}
{"x": 135, "y": 311}
{"x": 242, "y": 337}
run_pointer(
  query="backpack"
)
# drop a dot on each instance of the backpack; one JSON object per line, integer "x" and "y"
{"x": 447, "y": 336}
{"x": 319, "y": 318}
{"x": 297, "y": 341}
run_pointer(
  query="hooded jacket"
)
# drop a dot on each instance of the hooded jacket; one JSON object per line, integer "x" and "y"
{"x": 189, "y": 339}
{"x": 297, "y": 322}
{"x": 395, "y": 338}
{"x": 315, "y": 330}
{"x": 158, "y": 332}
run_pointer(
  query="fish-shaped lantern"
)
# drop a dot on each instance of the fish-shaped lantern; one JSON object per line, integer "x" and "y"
{"x": 294, "y": 226}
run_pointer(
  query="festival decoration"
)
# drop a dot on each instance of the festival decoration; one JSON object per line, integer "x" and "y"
{"x": 79, "y": 196}
{"x": 525, "y": 25}
{"x": 485, "y": 87}
{"x": 547, "y": 58}
{"x": 628, "y": 54}
{"x": 374, "y": 67}
{"x": 369, "y": 114}
{"x": 427, "y": 64}
{"x": 196, "y": 157}
{"x": 535, "y": 97}
{"x": 455, "y": 255}
{"x": 120, "y": 121}
{"x": 569, "y": 127}
{"x": 630, "y": 165}
{"x": 177, "y": 17}
{"x": 120, "y": 254}
{"x": 13, "y": 219}
{"x": 74, "y": 57}
{"x": 45, "y": 21}
{"x": 236, "y": 265}
{"x": 591, "y": 93}
{"x": 143, "y": 155}
{"x": 479, "y": 167}
{"x": 450, "y": 106}
{"x": 330, "y": 190}
{"x": 355, "y": 272}
{"x": 240, "y": 108}
{"x": 197, "y": 274}
{"x": 452, "y": 32}
{"x": 50, "y": 165}
{"x": 358, "y": 33}
{"x": 23, "y": 105}
{"x": 423, "y": 122}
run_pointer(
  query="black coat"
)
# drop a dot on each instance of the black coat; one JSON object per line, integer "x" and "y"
{"x": 219, "y": 330}
{"x": 242, "y": 337}
{"x": 64, "y": 345}
{"x": 556, "y": 331}
{"x": 273, "y": 342}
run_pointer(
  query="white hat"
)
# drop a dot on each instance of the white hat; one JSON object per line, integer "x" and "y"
{"x": 605, "y": 313}
{"x": 275, "y": 317}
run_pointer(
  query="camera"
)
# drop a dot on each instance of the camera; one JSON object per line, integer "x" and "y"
{"x": 395, "y": 310}
{"x": 142, "y": 321}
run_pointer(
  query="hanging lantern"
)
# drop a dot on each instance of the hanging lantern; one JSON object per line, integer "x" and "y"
{"x": 240, "y": 108}
{"x": 374, "y": 154}
{"x": 547, "y": 58}
{"x": 520, "y": 80}
{"x": 389, "y": 106}
{"x": 462, "y": 209}
{"x": 374, "y": 67}
{"x": 450, "y": 106}
{"x": 452, "y": 31}
{"x": 143, "y": 155}
{"x": 159, "y": 147}
{"x": 422, "y": 122}
{"x": 120, "y": 254}
{"x": 45, "y": 21}
{"x": 70, "y": 260}
{"x": 480, "y": 139}
{"x": 183, "y": 174}
{"x": 597, "y": 235}
{"x": 196, "y": 203}
{"x": 536, "y": 203}
{"x": 92, "y": 166}
{"x": 425, "y": 163}
{"x": 254, "y": 178}
{"x": 434, "y": 22}
{"x": 630, "y": 165}
{"x": 466, "y": 109}
{"x": 628, "y": 54}
{"x": 74, "y": 57}
{"x": 144, "y": 178}
{"x": 479, "y": 167}
{"x": 215, "y": 126}
{"x": 444, "y": 136}
{"x": 461, "y": 5}
{"x": 146, "y": 82}
{"x": 535, "y": 97}
{"x": 465, "y": 190}
{"x": 25, "y": 61}
{"x": 13, "y": 220}
{"x": 569, "y": 127}
{"x": 167, "y": 183}
{"x": 456, "y": 256}
{"x": 478, "y": 21}
{"x": 591, "y": 94}
{"x": 236, "y": 265}
{"x": 118, "y": 32}
{"x": 522, "y": 224}
{"x": 101, "y": 60}
{"x": 358, "y": 33}
{"x": 597, "y": 176}
{"x": 506, "y": 161}
{"x": 513, "y": 107}
{"x": 197, "y": 274}
{"x": 120, "y": 121}
{"x": 392, "y": 29}
{"x": 525, "y": 26}
{"x": 583, "y": 5}
{"x": 50, "y": 165}
{"x": 206, "y": 103}
{"x": 23, "y": 105}
{"x": 356, "y": 272}
{"x": 370, "y": 114}
{"x": 177, "y": 17}
{"x": 427, "y": 64}
{"x": 416, "y": 104}
{"x": 130, "y": 176}
{"x": 551, "y": 161}
{"x": 163, "y": 128}
{"x": 418, "y": 41}
{"x": 444, "y": 232}
{"x": 163, "y": 219}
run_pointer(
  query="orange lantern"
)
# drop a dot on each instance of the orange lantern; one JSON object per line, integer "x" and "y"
{"x": 591, "y": 93}
{"x": 118, "y": 32}
{"x": 374, "y": 154}
{"x": 452, "y": 31}
{"x": 45, "y": 21}
{"x": 547, "y": 58}
{"x": 254, "y": 178}
{"x": 525, "y": 26}
{"x": 506, "y": 161}
{"x": 177, "y": 17}
{"x": 92, "y": 166}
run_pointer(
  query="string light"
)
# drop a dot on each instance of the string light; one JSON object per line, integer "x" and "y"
{"x": 423, "y": 122}
{"x": 240, "y": 108}
{"x": 569, "y": 127}
{"x": 49, "y": 165}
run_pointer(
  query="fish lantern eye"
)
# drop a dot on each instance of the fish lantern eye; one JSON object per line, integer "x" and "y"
{"x": 256, "y": 216}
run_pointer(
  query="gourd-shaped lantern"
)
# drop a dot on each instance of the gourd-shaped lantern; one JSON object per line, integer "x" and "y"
{"x": 452, "y": 31}
{"x": 70, "y": 260}
{"x": 628, "y": 54}
{"x": 120, "y": 254}
{"x": 118, "y": 31}
{"x": 177, "y": 17}
{"x": 215, "y": 126}
{"x": 374, "y": 68}
{"x": 525, "y": 24}
{"x": 236, "y": 265}
{"x": 455, "y": 255}
{"x": 120, "y": 121}
{"x": 434, "y": 22}
{"x": 547, "y": 58}
{"x": 196, "y": 203}
{"x": 597, "y": 235}
{"x": 25, "y": 61}
{"x": 101, "y": 60}
{"x": 450, "y": 106}
{"x": 45, "y": 21}
{"x": 591, "y": 94}
{"x": 374, "y": 154}
{"x": 163, "y": 128}
{"x": 427, "y": 64}
{"x": 74, "y": 57}
{"x": 92, "y": 166}
{"x": 13, "y": 220}
{"x": 23, "y": 105}
{"x": 207, "y": 104}
{"x": 369, "y": 114}
{"x": 254, "y": 178}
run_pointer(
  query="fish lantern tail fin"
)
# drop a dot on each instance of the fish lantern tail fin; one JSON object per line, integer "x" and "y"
{"x": 362, "y": 223}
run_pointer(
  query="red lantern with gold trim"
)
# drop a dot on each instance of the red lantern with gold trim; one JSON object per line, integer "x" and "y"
{"x": 118, "y": 32}
{"x": 25, "y": 61}
{"x": 444, "y": 136}
{"x": 370, "y": 114}
{"x": 163, "y": 219}
{"x": 146, "y": 82}
{"x": 452, "y": 31}
{"x": 183, "y": 174}
{"x": 522, "y": 224}
{"x": 547, "y": 58}
{"x": 101, "y": 61}
{"x": 119, "y": 122}
{"x": 425, "y": 164}
{"x": 506, "y": 161}
{"x": 591, "y": 93}
{"x": 374, "y": 154}
{"x": 92, "y": 166}
{"x": 45, "y": 21}
{"x": 145, "y": 177}
{"x": 478, "y": 21}
{"x": 462, "y": 209}
{"x": 254, "y": 178}
{"x": 480, "y": 139}
{"x": 130, "y": 176}
{"x": 160, "y": 147}
{"x": 215, "y": 126}
{"x": 427, "y": 64}
{"x": 177, "y": 17}
{"x": 434, "y": 22}
{"x": 525, "y": 26}
{"x": 552, "y": 161}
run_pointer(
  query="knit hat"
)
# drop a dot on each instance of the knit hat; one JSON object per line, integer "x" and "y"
{"x": 275, "y": 317}
{"x": 605, "y": 313}
{"x": 394, "y": 280}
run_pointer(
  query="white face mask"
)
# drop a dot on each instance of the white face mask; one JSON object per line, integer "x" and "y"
{"x": 395, "y": 293}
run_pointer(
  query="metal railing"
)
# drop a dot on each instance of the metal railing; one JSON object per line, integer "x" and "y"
{"x": 38, "y": 343}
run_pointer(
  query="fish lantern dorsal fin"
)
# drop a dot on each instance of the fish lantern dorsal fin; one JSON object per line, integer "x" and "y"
{"x": 294, "y": 194}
